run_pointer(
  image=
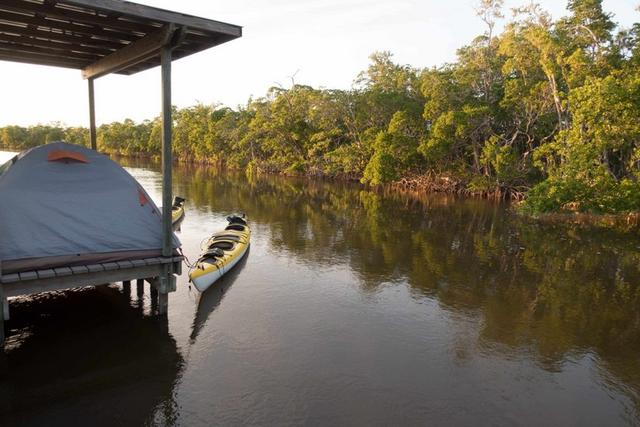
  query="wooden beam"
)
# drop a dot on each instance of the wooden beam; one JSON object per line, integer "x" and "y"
{"x": 78, "y": 280}
{"x": 167, "y": 232}
{"x": 132, "y": 54}
{"x": 59, "y": 53}
{"x": 161, "y": 15}
{"x": 92, "y": 117}
{"x": 38, "y": 60}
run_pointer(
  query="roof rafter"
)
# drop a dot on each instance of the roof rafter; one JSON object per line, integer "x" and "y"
{"x": 82, "y": 34}
{"x": 132, "y": 54}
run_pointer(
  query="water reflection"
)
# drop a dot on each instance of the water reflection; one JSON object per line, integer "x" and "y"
{"x": 555, "y": 293}
{"x": 358, "y": 307}
{"x": 86, "y": 355}
{"x": 212, "y": 297}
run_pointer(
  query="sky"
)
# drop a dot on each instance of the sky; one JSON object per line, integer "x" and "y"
{"x": 322, "y": 43}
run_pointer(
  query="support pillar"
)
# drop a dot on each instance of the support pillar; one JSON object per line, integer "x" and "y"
{"x": 1, "y": 309}
{"x": 167, "y": 161}
{"x": 140, "y": 287}
{"x": 126, "y": 287}
{"x": 153, "y": 296}
{"x": 92, "y": 117}
{"x": 3, "y": 315}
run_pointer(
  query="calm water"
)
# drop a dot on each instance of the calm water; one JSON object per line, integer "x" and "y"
{"x": 352, "y": 308}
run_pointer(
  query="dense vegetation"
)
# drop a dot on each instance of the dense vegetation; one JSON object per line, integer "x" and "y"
{"x": 546, "y": 108}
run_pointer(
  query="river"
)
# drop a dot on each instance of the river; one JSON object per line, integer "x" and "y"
{"x": 353, "y": 307}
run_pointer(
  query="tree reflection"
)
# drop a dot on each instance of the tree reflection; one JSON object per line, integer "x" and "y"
{"x": 556, "y": 291}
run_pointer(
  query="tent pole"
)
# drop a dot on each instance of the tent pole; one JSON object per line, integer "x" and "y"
{"x": 167, "y": 233}
{"x": 92, "y": 116}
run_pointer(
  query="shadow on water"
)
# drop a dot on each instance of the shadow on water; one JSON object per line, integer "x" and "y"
{"x": 210, "y": 299}
{"x": 87, "y": 355}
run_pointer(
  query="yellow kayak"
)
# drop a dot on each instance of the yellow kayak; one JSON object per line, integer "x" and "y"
{"x": 177, "y": 212}
{"x": 221, "y": 253}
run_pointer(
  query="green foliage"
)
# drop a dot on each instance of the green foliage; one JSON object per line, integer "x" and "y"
{"x": 547, "y": 105}
{"x": 595, "y": 161}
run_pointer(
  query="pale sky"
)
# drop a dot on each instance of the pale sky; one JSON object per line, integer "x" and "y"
{"x": 323, "y": 43}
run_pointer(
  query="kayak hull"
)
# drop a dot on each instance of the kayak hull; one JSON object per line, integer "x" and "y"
{"x": 221, "y": 253}
{"x": 205, "y": 281}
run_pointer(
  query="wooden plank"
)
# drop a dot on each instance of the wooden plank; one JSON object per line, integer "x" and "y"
{"x": 87, "y": 17}
{"x": 74, "y": 281}
{"x": 10, "y": 278}
{"x": 46, "y": 274}
{"x": 63, "y": 271}
{"x": 28, "y": 275}
{"x": 134, "y": 53}
{"x": 57, "y": 24}
{"x": 152, "y": 13}
{"x": 95, "y": 268}
{"x": 138, "y": 262}
{"x": 79, "y": 269}
{"x": 51, "y": 35}
{"x": 153, "y": 261}
{"x": 124, "y": 264}
{"x": 110, "y": 266}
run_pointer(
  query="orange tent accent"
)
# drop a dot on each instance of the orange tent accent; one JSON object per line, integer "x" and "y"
{"x": 142, "y": 198}
{"x": 58, "y": 155}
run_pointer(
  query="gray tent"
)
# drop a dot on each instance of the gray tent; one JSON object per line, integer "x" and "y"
{"x": 64, "y": 205}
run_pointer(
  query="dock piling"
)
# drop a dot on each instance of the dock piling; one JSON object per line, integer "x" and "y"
{"x": 1, "y": 309}
{"x": 2, "y": 316}
{"x": 126, "y": 287}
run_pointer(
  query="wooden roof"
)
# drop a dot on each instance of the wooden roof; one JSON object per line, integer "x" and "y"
{"x": 102, "y": 36}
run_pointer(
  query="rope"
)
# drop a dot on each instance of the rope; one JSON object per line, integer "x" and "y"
{"x": 186, "y": 260}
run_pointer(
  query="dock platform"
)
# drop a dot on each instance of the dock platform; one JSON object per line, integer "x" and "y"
{"x": 153, "y": 270}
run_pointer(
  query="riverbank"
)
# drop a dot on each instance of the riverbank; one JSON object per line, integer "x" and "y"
{"x": 420, "y": 186}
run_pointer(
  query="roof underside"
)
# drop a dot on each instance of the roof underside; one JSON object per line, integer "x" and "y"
{"x": 78, "y": 33}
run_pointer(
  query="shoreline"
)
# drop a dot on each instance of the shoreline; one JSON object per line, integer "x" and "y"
{"x": 419, "y": 186}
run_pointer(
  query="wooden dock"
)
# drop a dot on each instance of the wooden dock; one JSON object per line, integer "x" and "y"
{"x": 152, "y": 270}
